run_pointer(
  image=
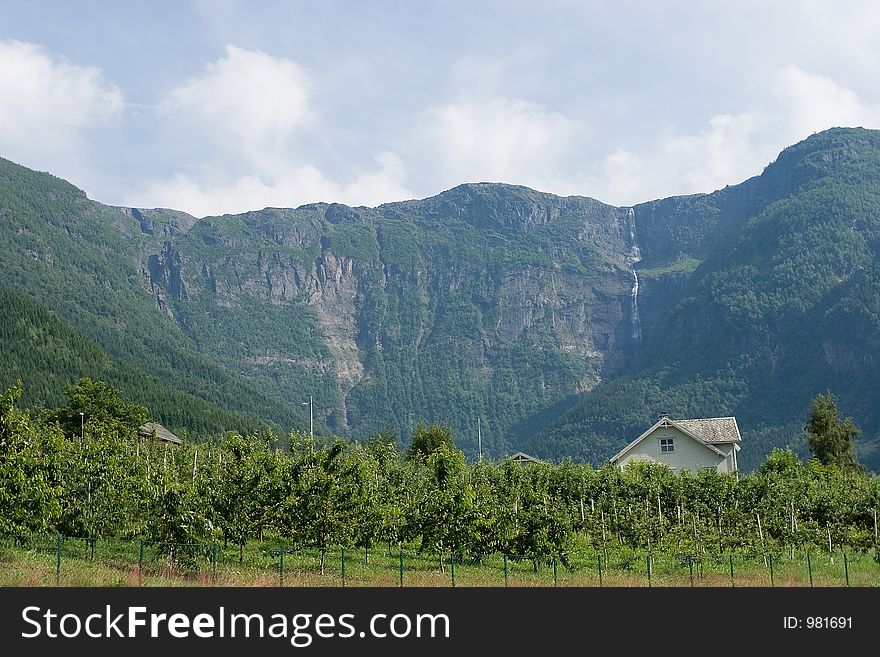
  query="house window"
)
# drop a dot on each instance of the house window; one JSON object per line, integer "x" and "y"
{"x": 666, "y": 445}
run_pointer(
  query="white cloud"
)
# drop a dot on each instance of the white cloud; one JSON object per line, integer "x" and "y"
{"x": 248, "y": 100}
{"x": 810, "y": 103}
{"x": 504, "y": 139}
{"x": 517, "y": 141}
{"x": 254, "y": 130}
{"x": 734, "y": 146}
{"x": 47, "y": 104}
{"x": 724, "y": 153}
{"x": 241, "y": 125}
{"x": 214, "y": 193}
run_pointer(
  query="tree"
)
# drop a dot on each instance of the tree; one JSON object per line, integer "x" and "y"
{"x": 367, "y": 493}
{"x": 178, "y": 526}
{"x": 176, "y": 522}
{"x": 325, "y": 509}
{"x": 426, "y": 441}
{"x": 103, "y": 493}
{"x": 444, "y": 503}
{"x": 383, "y": 446}
{"x": 98, "y": 404}
{"x": 543, "y": 528}
{"x": 830, "y": 438}
{"x": 239, "y": 498}
{"x": 29, "y": 471}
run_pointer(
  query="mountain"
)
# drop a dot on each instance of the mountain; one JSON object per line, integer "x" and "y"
{"x": 783, "y": 304}
{"x": 75, "y": 304}
{"x": 47, "y": 354}
{"x": 564, "y": 325}
{"x": 487, "y": 302}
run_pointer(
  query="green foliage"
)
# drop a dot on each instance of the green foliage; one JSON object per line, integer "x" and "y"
{"x": 327, "y": 504}
{"x": 99, "y": 404}
{"x": 685, "y": 265}
{"x": 490, "y": 303}
{"x": 105, "y": 495}
{"x": 782, "y": 462}
{"x": 783, "y": 305}
{"x": 178, "y": 525}
{"x": 831, "y": 438}
{"x": 181, "y": 499}
{"x": 243, "y": 488}
{"x": 427, "y": 440}
{"x": 29, "y": 471}
{"x": 38, "y": 346}
{"x": 443, "y": 502}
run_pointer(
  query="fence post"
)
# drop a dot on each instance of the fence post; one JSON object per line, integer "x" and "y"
{"x": 213, "y": 562}
{"x": 691, "y": 567}
{"x": 452, "y": 566}
{"x": 732, "y": 584}
{"x": 281, "y": 567}
{"x": 343, "y": 565}
{"x": 554, "y": 571}
{"x": 648, "y": 559}
{"x": 772, "y": 583}
{"x": 505, "y": 570}
{"x": 401, "y": 567}
{"x": 810, "y": 568}
{"x": 846, "y": 568}
{"x": 58, "y": 541}
{"x": 599, "y": 557}
{"x": 141, "y": 563}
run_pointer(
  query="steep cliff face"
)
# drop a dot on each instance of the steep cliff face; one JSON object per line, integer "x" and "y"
{"x": 165, "y": 271}
{"x": 562, "y": 324}
{"x": 88, "y": 265}
{"x": 755, "y": 298}
{"x": 159, "y": 223}
{"x": 487, "y": 301}
{"x": 337, "y": 295}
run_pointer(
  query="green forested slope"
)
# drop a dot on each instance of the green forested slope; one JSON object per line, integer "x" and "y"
{"x": 485, "y": 303}
{"x": 46, "y": 354}
{"x": 74, "y": 257}
{"x": 784, "y": 305}
{"x": 488, "y": 302}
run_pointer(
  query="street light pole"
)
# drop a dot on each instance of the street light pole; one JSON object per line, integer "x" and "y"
{"x": 82, "y": 426}
{"x": 311, "y": 419}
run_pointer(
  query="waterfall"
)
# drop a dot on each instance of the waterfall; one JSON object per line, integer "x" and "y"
{"x": 636, "y": 323}
{"x": 634, "y": 257}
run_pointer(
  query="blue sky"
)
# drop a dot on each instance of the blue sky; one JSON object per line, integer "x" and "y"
{"x": 225, "y": 106}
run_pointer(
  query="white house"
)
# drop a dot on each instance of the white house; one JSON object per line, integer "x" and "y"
{"x": 686, "y": 444}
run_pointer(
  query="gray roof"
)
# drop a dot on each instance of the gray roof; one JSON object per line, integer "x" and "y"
{"x": 709, "y": 432}
{"x": 149, "y": 429}
{"x": 522, "y": 457}
{"x": 713, "y": 429}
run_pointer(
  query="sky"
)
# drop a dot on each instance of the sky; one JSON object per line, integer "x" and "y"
{"x": 217, "y": 106}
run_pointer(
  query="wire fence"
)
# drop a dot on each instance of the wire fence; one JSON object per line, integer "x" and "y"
{"x": 76, "y": 561}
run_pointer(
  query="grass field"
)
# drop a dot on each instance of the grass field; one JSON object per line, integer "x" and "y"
{"x": 131, "y": 563}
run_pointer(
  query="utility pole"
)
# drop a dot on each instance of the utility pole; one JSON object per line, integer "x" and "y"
{"x": 479, "y": 440}
{"x": 82, "y": 426}
{"x": 311, "y": 419}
